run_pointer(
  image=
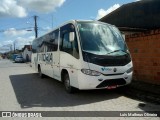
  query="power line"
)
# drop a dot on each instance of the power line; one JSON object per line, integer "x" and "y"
{"x": 17, "y": 29}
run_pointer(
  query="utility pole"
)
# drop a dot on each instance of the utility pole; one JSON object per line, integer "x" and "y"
{"x": 35, "y": 26}
{"x": 14, "y": 44}
{"x": 11, "y": 48}
{"x": 52, "y": 21}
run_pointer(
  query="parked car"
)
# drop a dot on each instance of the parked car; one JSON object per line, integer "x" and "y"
{"x": 14, "y": 56}
{"x": 19, "y": 59}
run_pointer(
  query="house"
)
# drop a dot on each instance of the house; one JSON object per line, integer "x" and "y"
{"x": 26, "y": 52}
{"x": 139, "y": 21}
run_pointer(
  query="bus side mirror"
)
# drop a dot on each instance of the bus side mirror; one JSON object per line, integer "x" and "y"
{"x": 71, "y": 36}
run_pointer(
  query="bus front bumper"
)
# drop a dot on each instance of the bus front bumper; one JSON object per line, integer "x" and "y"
{"x": 86, "y": 82}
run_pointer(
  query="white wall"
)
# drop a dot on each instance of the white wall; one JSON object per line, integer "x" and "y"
{"x": 25, "y": 52}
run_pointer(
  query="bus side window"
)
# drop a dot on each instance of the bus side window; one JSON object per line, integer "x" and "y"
{"x": 65, "y": 44}
{"x": 75, "y": 48}
{"x": 44, "y": 57}
{"x": 54, "y": 40}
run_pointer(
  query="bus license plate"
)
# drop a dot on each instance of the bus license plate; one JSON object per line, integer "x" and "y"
{"x": 111, "y": 87}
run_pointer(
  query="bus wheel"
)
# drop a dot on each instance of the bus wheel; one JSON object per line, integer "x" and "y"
{"x": 40, "y": 72}
{"x": 67, "y": 85}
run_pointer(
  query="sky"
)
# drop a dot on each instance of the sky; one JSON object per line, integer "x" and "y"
{"x": 17, "y": 17}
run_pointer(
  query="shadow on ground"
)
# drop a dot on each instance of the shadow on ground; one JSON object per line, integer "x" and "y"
{"x": 31, "y": 91}
{"x": 150, "y": 109}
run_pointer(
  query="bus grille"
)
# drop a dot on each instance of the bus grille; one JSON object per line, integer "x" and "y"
{"x": 111, "y": 82}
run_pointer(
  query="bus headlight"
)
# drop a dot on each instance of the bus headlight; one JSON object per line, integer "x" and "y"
{"x": 90, "y": 72}
{"x": 129, "y": 70}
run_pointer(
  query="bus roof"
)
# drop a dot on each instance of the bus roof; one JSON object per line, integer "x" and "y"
{"x": 72, "y": 21}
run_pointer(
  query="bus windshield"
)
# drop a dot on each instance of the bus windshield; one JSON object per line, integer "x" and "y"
{"x": 101, "y": 39}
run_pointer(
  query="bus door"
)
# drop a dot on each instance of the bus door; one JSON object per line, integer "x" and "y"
{"x": 56, "y": 65}
{"x": 49, "y": 64}
{"x": 55, "y": 55}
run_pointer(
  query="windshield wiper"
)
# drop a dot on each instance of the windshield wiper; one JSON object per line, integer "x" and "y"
{"x": 117, "y": 51}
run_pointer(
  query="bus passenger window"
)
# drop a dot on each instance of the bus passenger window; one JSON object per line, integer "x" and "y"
{"x": 67, "y": 45}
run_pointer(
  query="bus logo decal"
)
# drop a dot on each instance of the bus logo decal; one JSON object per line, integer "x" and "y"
{"x": 115, "y": 69}
{"x": 106, "y": 69}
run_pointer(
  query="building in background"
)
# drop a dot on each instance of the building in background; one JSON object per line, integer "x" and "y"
{"x": 26, "y": 53}
{"x": 140, "y": 22}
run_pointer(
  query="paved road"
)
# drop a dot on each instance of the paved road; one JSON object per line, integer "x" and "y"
{"x": 22, "y": 90}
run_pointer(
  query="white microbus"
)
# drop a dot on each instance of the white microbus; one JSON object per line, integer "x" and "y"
{"x": 84, "y": 55}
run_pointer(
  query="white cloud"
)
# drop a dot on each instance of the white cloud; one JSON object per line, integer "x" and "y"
{"x": 102, "y": 12}
{"x": 19, "y": 8}
{"x": 11, "y": 8}
{"x": 6, "y": 45}
{"x": 20, "y": 41}
{"x": 43, "y": 6}
{"x": 14, "y": 32}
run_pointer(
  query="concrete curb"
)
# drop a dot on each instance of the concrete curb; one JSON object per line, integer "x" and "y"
{"x": 143, "y": 91}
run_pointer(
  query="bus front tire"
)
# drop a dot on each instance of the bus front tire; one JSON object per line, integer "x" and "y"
{"x": 67, "y": 85}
